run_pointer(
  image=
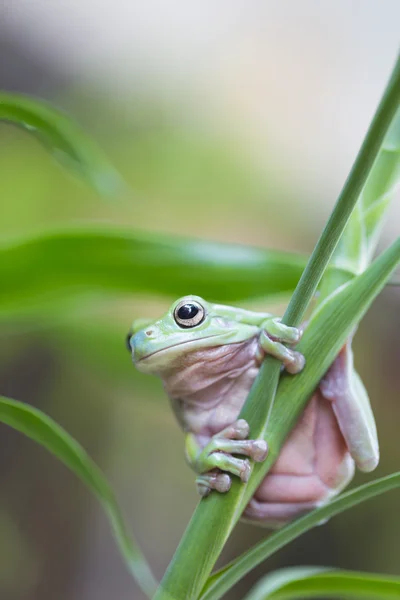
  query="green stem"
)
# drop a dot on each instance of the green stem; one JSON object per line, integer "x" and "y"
{"x": 216, "y": 516}
{"x": 347, "y": 199}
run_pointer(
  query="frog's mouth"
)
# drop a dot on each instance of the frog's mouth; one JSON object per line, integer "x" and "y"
{"x": 159, "y": 353}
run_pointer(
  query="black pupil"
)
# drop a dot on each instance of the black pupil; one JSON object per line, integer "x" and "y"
{"x": 187, "y": 311}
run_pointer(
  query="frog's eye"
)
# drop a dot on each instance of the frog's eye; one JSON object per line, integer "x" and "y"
{"x": 189, "y": 314}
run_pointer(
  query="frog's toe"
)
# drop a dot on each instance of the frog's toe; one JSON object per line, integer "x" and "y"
{"x": 242, "y": 429}
{"x": 219, "y": 448}
{"x": 245, "y": 471}
{"x": 256, "y": 449}
{"x": 259, "y": 450}
{"x": 214, "y": 480}
{"x": 203, "y": 488}
{"x": 292, "y": 360}
{"x": 282, "y": 333}
{"x": 296, "y": 362}
{"x": 222, "y": 483}
{"x": 239, "y": 430}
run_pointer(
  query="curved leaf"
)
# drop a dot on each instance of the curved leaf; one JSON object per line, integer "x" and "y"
{"x": 63, "y": 138}
{"x": 68, "y": 263}
{"x": 43, "y": 430}
{"x": 360, "y": 238}
{"x": 311, "y": 582}
{"x": 359, "y": 241}
{"x": 219, "y": 583}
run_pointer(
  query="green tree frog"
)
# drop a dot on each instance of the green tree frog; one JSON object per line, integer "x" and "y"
{"x": 208, "y": 356}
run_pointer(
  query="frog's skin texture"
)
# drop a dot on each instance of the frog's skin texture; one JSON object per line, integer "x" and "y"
{"x": 208, "y": 356}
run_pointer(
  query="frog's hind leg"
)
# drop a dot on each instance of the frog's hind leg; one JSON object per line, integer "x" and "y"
{"x": 343, "y": 387}
{"x": 313, "y": 465}
{"x": 274, "y": 515}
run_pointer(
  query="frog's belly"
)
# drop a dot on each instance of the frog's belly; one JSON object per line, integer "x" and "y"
{"x": 314, "y": 465}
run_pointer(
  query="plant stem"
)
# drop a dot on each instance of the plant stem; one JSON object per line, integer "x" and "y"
{"x": 216, "y": 516}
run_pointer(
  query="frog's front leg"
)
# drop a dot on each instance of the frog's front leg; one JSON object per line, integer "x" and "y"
{"x": 215, "y": 462}
{"x": 274, "y": 335}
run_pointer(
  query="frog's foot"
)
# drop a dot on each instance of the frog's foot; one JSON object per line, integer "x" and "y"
{"x": 217, "y": 454}
{"x": 272, "y": 339}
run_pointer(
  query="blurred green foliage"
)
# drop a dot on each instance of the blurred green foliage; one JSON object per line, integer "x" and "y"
{"x": 80, "y": 274}
{"x": 63, "y": 332}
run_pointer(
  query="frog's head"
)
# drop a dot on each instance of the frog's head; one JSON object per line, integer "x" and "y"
{"x": 191, "y": 323}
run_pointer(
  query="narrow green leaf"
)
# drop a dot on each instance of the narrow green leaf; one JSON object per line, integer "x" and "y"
{"x": 280, "y": 580}
{"x": 66, "y": 264}
{"x": 222, "y": 581}
{"x": 216, "y": 516}
{"x": 43, "y": 430}
{"x": 359, "y": 240}
{"x": 370, "y": 151}
{"x": 329, "y": 327}
{"x": 311, "y": 582}
{"x": 335, "y": 320}
{"x": 63, "y": 138}
{"x": 324, "y": 336}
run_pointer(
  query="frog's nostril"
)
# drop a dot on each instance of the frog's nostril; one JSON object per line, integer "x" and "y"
{"x": 149, "y": 332}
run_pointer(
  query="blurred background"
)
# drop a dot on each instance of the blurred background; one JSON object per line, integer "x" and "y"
{"x": 234, "y": 121}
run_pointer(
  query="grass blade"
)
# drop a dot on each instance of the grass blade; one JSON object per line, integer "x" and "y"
{"x": 63, "y": 138}
{"x": 43, "y": 430}
{"x": 311, "y": 582}
{"x": 222, "y": 581}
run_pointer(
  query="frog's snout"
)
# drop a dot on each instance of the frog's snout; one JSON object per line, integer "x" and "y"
{"x": 137, "y": 340}
{"x": 141, "y": 343}
{"x": 128, "y": 340}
